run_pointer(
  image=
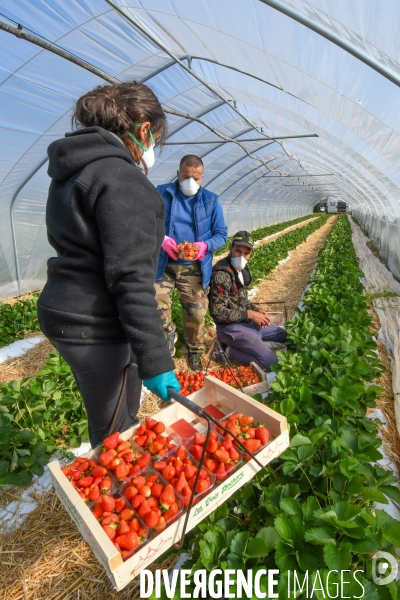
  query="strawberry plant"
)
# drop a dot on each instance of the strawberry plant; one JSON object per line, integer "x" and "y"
{"x": 265, "y": 258}
{"x": 262, "y": 232}
{"x": 315, "y": 511}
{"x": 37, "y": 416}
{"x": 17, "y": 319}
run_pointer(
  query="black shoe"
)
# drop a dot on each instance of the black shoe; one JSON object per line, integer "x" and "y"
{"x": 194, "y": 360}
{"x": 172, "y": 338}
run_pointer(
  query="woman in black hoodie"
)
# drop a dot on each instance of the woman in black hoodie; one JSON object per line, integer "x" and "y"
{"x": 106, "y": 222}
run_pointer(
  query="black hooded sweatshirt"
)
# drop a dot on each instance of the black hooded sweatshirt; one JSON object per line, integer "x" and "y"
{"x": 106, "y": 222}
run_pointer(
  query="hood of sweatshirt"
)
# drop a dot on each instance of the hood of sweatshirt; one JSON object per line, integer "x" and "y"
{"x": 79, "y": 148}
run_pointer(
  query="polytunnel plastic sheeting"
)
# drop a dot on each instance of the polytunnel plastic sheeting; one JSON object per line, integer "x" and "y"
{"x": 247, "y": 71}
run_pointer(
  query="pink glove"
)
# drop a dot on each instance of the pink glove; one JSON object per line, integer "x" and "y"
{"x": 202, "y": 246}
{"x": 169, "y": 246}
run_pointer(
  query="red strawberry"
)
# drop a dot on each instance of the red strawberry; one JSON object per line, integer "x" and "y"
{"x": 152, "y": 518}
{"x": 126, "y": 514}
{"x": 144, "y": 490}
{"x": 112, "y": 520}
{"x": 121, "y": 471}
{"x": 141, "y": 429}
{"x": 133, "y": 470}
{"x": 186, "y": 492}
{"x": 156, "y": 490}
{"x": 155, "y": 448}
{"x": 141, "y": 440}
{"x": 161, "y": 524}
{"x": 114, "y": 463}
{"x": 137, "y": 501}
{"x": 171, "y": 512}
{"x": 167, "y": 497}
{"x": 160, "y": 465}
{"x": 178, "y": 466}
{"x": 168, "y": 472}
{"x": 251, "y": 432}
{"x": 190, "y": 471}
{"x": 151, "y": 436}
{"x": 197, "y": 451}
{"x": 203, "y": 474}
{"x": 106, "y": 485}
{"x": 161, "y": 439}
{"x": 129, "y": 541}
{"x": 202, "y": 485}
{"x": 98, "y": 510}
{"x": 221, "y": 455}
{"x": 130, "y": 492}
{"x": 220, "y": 472}
{"x": 134, "y": 525}
{"x": 123, "y": 446}
{"x": 110, "y": 531}
{"x": 150, "y": 423}
{"x": 246, "y": 420}
{"x": 128, "y": 457}
{"x": 263, "y": 435}
{"x": 181, "y": 452}
{"x": 123, "y": 527}
{"x": 227, "y": 444}
{"x": 86, "y": 482}
{"x": 106, "y": 457}
{"x": 94, "y": 493}
{"x": 120, "y": 504}
{"x": 234, "y": 454}
{"x": 99, "y": 472}
{"x": 83, "y": 466}
{"x": 253, "y": 446}
{"x": 181, "y": 483}
{"x": 212, "y": 446}
{"x": 111, "y": 441}
{"x": 199, "y": 439}
{"x": 152, "y": 502}
{"x": 108, "y": 503}
{"x": 211, "y": 464}
{"x": 159, "y": 428}
{"x": 139, "y": 480}
{"x": 152, "y": 478}
{"x": 144, "y": 508}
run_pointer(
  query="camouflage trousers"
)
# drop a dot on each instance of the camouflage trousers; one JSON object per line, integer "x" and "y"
{"x": 188, "y": 282}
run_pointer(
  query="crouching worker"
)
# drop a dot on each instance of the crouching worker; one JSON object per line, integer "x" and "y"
{"x": 242, "y": 327}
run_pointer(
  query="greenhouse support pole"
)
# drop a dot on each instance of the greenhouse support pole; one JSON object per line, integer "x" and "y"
{"x": 334, "y": 38}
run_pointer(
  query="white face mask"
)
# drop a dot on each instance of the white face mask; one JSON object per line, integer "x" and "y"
{"x": 148, "y": 157}
{"x": 189, "y": 187}
{"x": 238, "y": 262}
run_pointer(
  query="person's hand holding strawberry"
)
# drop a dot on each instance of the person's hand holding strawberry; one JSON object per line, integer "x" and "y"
{"x": 202, "y": 246}
{"x": 169, "y": 246}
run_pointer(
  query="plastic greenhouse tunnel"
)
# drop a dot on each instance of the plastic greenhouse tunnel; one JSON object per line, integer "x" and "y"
{"x": 200, "y": 299}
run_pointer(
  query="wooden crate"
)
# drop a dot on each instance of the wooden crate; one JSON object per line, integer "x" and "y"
{"x": 217, "y": 393}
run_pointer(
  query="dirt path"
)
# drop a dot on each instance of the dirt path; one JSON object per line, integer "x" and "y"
{"x": 288, "y": 280}
{"x": 271, "y": 238}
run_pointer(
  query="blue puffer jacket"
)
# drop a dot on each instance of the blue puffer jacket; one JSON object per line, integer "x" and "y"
{"x": 209, "y": 221}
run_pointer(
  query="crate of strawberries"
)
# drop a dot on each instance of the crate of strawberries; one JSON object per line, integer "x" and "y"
{"x": 248, "y": 378}
{"x": 129, "y": 497}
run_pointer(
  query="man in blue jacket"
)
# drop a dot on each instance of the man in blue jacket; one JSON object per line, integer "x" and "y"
{"x": 192, "y": 214}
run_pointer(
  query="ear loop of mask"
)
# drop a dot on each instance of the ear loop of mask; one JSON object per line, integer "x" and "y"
{"x": 139, "y": 143}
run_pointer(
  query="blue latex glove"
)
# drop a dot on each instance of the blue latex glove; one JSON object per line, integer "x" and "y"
{"x": 159, "y": 384}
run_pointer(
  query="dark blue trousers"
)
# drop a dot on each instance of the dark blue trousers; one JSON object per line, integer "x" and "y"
{"x": 246, "y": 342}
